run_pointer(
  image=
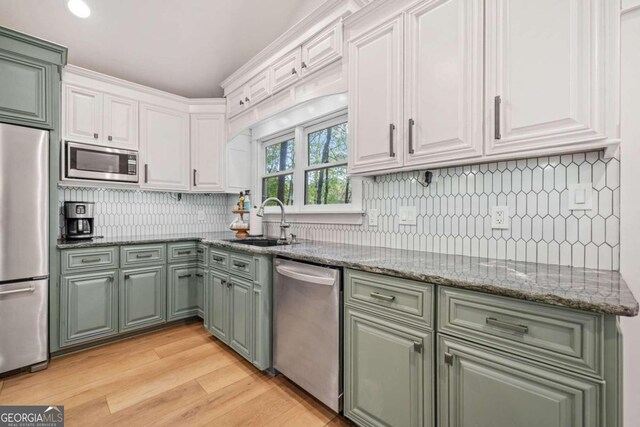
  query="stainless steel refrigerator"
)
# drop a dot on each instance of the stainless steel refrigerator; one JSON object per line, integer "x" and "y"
{"x": 24, "y": 253}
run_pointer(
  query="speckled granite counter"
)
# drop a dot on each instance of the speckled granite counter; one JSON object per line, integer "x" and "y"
{"x": 579, "y": 288}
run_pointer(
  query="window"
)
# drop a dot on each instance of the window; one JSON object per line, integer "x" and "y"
{"x": 306, "y": 168}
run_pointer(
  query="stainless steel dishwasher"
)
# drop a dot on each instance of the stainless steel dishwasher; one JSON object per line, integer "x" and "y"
{"x": 307, "y": 328}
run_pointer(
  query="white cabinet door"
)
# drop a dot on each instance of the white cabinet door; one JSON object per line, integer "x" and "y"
{"x": 207, "y": 152}
{"x": 443, "y": 81}
{"x": 83, "y": 115}
{"x": 164, "y": 145}
{"x": 375, "y": 98}
{"x": 286, "y": 70}
{"x": 544, "y": 73}
{"x": 236, "y": 101}
{"x": 322, "y": 49}
{"x": 257, "y": 89}
{"x": 239, "y": 163}
{"x": 121, "y": 122}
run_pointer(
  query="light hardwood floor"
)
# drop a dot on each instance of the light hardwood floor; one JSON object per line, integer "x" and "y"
{"x": 176, "y": 376}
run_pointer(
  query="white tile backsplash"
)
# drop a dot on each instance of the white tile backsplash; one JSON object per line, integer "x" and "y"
{"x": 454, "y": 213}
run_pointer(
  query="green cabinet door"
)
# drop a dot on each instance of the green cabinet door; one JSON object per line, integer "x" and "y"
{"x": 88, "y": 307}
{"x": 200, "y": 283}
{"x": 240, "y": 295}
{"x": 219, "y": 305}
{"x": 479, "y": 387}
{"x": 142, "y": 297}
{"x": 388, "y": 372}
{"x": 182, "y": 291}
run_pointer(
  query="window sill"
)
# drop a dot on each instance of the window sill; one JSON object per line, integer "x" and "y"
{"x": 318, "y": 217}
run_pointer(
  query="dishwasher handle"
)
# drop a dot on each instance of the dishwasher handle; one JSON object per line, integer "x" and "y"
{"x": 316, "y": 280}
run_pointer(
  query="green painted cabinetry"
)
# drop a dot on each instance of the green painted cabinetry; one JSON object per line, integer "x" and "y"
{"x": 182, "y": 291}
{"x": 142, "y": 297}
{"x": 241, "y": 315}
{"x": 89, "y": 307}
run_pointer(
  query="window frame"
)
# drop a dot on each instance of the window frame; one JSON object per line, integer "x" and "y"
{"x": 300, "y": 133}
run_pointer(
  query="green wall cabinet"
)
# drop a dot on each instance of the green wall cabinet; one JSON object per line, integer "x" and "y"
{"x": 142, "y": 297}
{"x": 388, "y": 371}
{"x": 89, "y": 307}
{"x": 29, "y": 79}
{"x": 182, "y": 290}
{"x": 483, "y": 388}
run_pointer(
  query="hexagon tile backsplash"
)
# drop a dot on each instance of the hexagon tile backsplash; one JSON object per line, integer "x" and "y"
{"x": 142, "y": 213}
{"x": 454, "y": 213}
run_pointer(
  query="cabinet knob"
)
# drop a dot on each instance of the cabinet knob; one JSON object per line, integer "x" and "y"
{"x": 241, "y": 102}
{"x": 304, "y": 64}
{"x": 110, "y": 138}
{"x": 293, "y": 71}
{"x": 246, "y": 99}
{"x": 95, "y": 136}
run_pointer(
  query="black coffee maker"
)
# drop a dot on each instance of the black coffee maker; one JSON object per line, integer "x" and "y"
{"x": 78, "y": 220}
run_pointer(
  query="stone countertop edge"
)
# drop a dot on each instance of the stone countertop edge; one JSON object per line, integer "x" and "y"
{"x": 628, "y": 309}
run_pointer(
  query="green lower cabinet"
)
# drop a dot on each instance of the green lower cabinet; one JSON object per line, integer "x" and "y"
{"x": 142, "y": 297}
{"x": 200, "y": 284}
{"x": 479, "y": 387}
{"x": 218, "y": 305}
{"x": 182, "y": 293}
{"x": 388, "y": 372}
{"x": 88, "y": 307}
{"x": 240, "y": 316}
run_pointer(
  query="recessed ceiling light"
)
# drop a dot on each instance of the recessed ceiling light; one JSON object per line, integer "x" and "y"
{"x": 79, "y": 8}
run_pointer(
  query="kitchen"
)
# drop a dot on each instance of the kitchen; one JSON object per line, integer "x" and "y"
{"x": 385, "y": 212}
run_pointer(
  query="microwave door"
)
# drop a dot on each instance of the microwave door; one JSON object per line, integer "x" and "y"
{"x": 101, "y": 163}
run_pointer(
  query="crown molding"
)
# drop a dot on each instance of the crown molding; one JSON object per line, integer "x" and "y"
{"x": 294, "y": 34}
{"x": 57, "y": 53}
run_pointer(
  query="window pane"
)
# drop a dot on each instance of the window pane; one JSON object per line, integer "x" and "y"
{"x": 279, "y": 157}
{"x": 328, "y": 145}
{"x": 280, "y": 187}
{"x": 328, "y": 186}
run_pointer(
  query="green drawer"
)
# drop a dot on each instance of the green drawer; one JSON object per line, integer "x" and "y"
{"x": 182, "y": 252}
{"x": 403, "y": 299}
{"x": 89, "y": 259}
{"x": 567, "y": 338}
{"x": 142, "y": 255}
{"x": 241, "y": 265}
{"x": 218, "y": 259}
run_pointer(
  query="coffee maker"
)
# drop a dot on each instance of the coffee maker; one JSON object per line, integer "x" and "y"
{"x": 78, "y": 220}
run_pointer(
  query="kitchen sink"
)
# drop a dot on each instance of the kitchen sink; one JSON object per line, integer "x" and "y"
{"x": 258, "y": 242}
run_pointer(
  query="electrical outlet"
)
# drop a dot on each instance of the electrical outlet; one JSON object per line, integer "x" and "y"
{"x": 201, "y": 216}
{"x": 373, "y": 217}
{"x": 407, "y": 215}
{"x": 500, "y": 217}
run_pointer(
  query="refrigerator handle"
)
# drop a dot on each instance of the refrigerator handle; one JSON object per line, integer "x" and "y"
{"x": 31, "y": 288}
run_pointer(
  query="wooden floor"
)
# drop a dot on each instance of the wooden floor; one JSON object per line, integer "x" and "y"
{"x": 176, "y": 376}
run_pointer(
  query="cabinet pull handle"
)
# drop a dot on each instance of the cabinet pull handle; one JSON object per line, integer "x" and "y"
{"x": 183, "y": 252}
{"x": 417, "y": 346}
{"x": 95, "y": 136}
{"x": 195, "y": 171}
{"x": 388, "y": 298}
{"x": 411, "y": 123}
{"x": 496, "y": 113}
{"x": 304, "y": 64}
{"x": 392, "y": 128}
{"x": 199, "y": 275}
{"x": 521, "y": 329}
{"x": 110, "y": 138}
{"x": 184, "y": 276}
{"x": 293, "y": 71}
{"x": 239, "y": 264}
{"x": 139, "y": 256}
{"x": 89, "y": 260}
{"x": 146, "y": 173}
{"x": 127, "y": 276}
{"x": 200, "y": 251}
{"x": 448, "y": 359}
{"x": 218, "y": 258}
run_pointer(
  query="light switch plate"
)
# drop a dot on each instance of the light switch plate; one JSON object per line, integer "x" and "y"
{"x": 580, "y": 196}
{"x": 407, "y": 215}
{"x": 500, "y": 217}
{"x": 372, "y": 214}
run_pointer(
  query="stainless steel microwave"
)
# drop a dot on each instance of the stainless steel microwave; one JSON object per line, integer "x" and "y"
{"x": 85, "y": 161}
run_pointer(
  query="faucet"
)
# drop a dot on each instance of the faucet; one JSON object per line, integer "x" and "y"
{"x": 283, "y": 222}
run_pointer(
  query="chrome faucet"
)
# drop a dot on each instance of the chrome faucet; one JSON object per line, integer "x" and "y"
{"x": 283, "y": 222}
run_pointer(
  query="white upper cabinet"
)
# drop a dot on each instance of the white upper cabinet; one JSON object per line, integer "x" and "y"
{"x": 443, "y": 81}
{"x": 376, "y": 97}
{"x": 235, "y": 101}
{"x": 322, "y": 49}
{"x": 258, "y": 88}
{"x": 164, "y": 148}
{"x": 121, "y": 122}
{"x": 547, "y": 80}
{"x": 286, "y": 70}
{"x": 95, "y": 117}
{"x": 207, "y": 152}
{"x": 83, "y": 115}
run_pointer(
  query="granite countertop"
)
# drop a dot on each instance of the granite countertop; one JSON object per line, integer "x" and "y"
{"x": 579, "y": 288}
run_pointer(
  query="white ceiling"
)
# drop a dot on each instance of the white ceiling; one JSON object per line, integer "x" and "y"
{"x": 186, "y": 47}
